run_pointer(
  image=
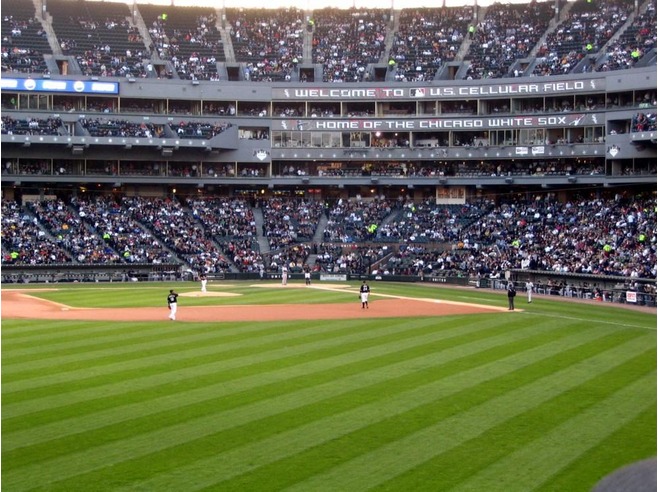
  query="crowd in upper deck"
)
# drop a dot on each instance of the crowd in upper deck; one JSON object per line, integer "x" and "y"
{"x": 270, "y": 42}
{"x": 506, "y": 34}
{"x": 427, "y": 39}
{"x": 106, "y": 40}
{"x": 346, "y": 41}
{"x": 589, "y": 26}
{"x": 615, "y": 236}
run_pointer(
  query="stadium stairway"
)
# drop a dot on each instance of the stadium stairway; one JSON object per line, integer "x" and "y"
{"x": 263, "y": 243}
{"x": 318, "y": 237}
{"x": 390, "y": 35}
{"x": 307, "y": 51}
{"x": 28, "y": 214}
{"x": 224, "y": 29}
{"x": 465, "y": 46}
{"x": 565, "y": 11}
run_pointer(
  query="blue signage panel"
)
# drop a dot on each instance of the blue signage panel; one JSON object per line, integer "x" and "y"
{"x": 49, "y": 85}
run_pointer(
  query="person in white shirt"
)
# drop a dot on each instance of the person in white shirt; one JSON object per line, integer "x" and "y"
{"x": 529, "y": 286}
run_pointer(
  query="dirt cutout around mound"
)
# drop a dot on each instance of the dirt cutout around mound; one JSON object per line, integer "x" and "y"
{"x": 19, "y": 304}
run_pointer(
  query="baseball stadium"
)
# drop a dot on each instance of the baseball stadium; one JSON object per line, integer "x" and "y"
{"x": 328, "y": 247}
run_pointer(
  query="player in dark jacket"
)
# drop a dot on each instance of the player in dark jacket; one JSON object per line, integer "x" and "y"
{"x": 364, "y": 292}
{"x": 172, "y": 302}
{"x": 511, "y": 294}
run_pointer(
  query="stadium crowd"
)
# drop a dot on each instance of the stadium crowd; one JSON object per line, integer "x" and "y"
{"x": 426, "y": 39}
{"x": 612, "y": 237}
{"x": 506, "y": 34}
{"x": 589, "y": 26}
{"x": 346, "y": 41}
{"x": 270, "y": 42}
{"x": 106, "y": 40}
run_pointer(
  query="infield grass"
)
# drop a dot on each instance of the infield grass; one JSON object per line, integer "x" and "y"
{"x": 549, "y": 399}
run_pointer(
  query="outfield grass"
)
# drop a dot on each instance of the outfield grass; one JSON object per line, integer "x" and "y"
{"x": 551, "y": 399}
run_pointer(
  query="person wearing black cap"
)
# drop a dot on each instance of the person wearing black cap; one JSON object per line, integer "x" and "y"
{"x": 172, "y": 302}
{"x": 364, "y": 293}
{"x": 511, "y": 294}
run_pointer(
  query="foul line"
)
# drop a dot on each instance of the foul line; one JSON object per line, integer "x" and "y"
{"x": 421, "y": 299}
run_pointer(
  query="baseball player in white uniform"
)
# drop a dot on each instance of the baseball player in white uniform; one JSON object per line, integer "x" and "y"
{"x": 528, "y": 287}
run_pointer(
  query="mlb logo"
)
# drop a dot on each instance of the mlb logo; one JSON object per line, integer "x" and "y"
{"x": 418, "y": 92}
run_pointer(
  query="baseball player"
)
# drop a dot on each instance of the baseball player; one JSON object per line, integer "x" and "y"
{"x": 172, "y": 302}
{"x": 284, "y": 275}
{"x": 204, "y": 282}
{"x": 364, "y": 292}
{"x": 307, "y": 276}
{"x": 529, "y": 286}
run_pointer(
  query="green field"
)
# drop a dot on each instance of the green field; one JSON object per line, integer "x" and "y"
{"x": 552, "y": 398}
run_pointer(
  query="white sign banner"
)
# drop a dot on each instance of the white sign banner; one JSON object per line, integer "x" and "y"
{"x": 450, "y": 91}
{"x": 433, "y": 124}
{"x": 325, "y": 277}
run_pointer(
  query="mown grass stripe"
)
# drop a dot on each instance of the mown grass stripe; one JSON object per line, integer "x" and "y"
{"x": 346, "y": 398}
{"x": 156, "y": 355}
{"x": 172, "y": 436}
{"x": 628, "y": 444}
{"x": 612, "y": 322}
{"x": 124, "y": 335}
{"x": 384, "y": 463}
{"x": 142, "y": 376}
{"x": 467, "y": 460}
{"x": 308, "y": 435}
{"x": 314, "y": 460}
{"x": 540, "y": 460}
{"x": 353, "y": 370}
{"x": 22, "y": 340}
{"x": 131, "y": 341}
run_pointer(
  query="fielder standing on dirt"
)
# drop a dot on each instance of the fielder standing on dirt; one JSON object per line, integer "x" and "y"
{"x": 172, "y": 302}
{"x": 364, "y": 293}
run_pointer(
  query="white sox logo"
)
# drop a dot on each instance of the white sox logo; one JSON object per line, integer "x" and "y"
{"x": 261, "y": 154}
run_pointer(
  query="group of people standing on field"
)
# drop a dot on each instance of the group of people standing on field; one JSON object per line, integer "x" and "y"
{"x": 364, "y": 293}
{"x": 172, "y": 297}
